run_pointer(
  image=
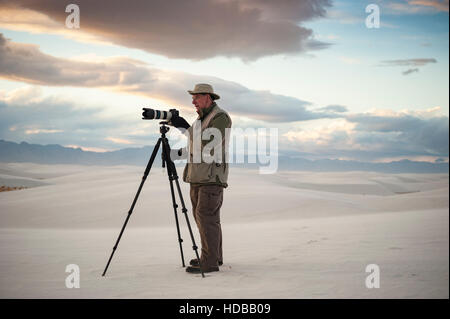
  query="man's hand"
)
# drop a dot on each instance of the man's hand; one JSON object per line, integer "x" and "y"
{"x": 179, "y": 122}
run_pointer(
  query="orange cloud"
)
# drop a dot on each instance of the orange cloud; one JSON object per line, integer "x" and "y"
{"x": 436, "y": 4}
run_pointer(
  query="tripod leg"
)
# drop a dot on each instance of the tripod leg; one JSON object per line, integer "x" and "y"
{"x": 172, "y": 171}
{"x": 184, "y": 210}
{"x": 147, "y": 171}
{"x": 166, "y": 158}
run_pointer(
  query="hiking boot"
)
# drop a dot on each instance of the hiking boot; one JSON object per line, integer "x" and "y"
{"x": 194, "y": 262}
{"x": 196, "y": 269}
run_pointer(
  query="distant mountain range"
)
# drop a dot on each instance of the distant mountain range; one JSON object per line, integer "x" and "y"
{"x": 57, "y": 154}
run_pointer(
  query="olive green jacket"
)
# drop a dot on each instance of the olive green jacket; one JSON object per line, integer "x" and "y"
{"x": 200, "y": 172}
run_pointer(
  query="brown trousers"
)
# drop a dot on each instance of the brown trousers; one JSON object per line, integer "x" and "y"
{"x": 206, "y": 202}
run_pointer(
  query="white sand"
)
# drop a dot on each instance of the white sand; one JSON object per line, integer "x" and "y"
{"x": 289, "y": 235}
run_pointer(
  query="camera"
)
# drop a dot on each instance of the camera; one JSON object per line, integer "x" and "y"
{"x": 151, "y": 114}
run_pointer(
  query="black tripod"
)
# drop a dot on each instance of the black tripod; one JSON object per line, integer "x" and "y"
{"x": 172, "y": 174}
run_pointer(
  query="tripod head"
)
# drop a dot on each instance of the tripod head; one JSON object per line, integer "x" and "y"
{"x": 163, "y": 128}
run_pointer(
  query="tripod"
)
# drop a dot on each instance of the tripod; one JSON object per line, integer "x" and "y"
{"x": 172, "y": 174}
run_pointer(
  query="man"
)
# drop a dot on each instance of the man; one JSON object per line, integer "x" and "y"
{"x": 207, "y": 180}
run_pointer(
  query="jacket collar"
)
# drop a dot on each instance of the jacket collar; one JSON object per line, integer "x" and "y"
{"x": 206, "y": 111}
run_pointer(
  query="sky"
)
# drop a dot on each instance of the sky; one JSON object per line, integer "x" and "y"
{"x": 332, "y": 86}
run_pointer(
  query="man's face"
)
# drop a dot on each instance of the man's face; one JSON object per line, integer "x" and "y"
{"x": 201, "y": 101}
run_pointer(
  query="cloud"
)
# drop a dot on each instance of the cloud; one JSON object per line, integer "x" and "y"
{"x": 88, "y": 149}
{"x": 374, "y": 136}
{"x": 117, "y": 140}
{"x": 408, "y": 62}
{"x": 334, "y": 108}
{"x": 26, "y": 63}
{"x": 344, "y": 17}
{"x": 327, "y": 134}
{"x": 417, "y": 6}
{"x": 348, "y": 60}
{"x": 409, "y": 71}
{"x": 328, "y": 36}
{"x": 195, "y": 29}
{"x": 439, "y": 5}
{"x": 27, "y": 115}
{"x": 412, "y": 132}
{"x": 22, "y": 19}
{"x": 40, "y": 131}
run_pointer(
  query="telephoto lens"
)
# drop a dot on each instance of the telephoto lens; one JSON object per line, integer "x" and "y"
{"x": 151, "y": 114}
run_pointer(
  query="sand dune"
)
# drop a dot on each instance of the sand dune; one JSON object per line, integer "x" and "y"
{"x": 288, "y": 235}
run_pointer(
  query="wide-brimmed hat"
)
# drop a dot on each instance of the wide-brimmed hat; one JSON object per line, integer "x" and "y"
{"x": 203, "y": 88}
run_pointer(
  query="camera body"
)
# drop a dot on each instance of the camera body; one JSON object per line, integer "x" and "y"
{"x": 152, "y": 114}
